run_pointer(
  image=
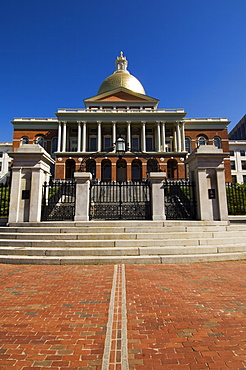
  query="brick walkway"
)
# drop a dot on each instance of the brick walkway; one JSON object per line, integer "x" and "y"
{"x": 182, "y": 317}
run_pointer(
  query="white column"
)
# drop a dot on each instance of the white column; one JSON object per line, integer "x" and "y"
{"x": 114, "y": 134}
{"x": 182, "y": 137}
{"x": 143, "y": 137}
{"x": 129, "y": 139}
{"x": 163, "y": 136}
{"x": 59, "y": 137}
{"x": 64, "y": 136}
{"x": 79, "y": 137}
{"x": 84, "y": 137}
{"x": 178, "y": 137}
{"x": 99, "y": 136}
{"x": 158, "y": 136}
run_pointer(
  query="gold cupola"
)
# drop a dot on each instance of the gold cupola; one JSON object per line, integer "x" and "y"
{"x": 121, "y": 78}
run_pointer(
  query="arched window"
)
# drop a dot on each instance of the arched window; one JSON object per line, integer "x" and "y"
{"x": 70, "y": 168}
{"x": 121, "y": 170}
{"x": 172, "y": 169}
{"x": 217, "y": 142}
{"x": 136, "y": 170}
{"x": 40, "y": 141}
{"x": 91, "y": 167}
{"x": 106, "y": 170}
{"x": 24, "y": 140}
{"x": 152, "y": 165}
{"x": 187, "y": 144}
{"x": 202, "y": 140}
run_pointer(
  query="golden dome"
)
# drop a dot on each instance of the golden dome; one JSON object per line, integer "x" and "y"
{"x": 121, "y": 78}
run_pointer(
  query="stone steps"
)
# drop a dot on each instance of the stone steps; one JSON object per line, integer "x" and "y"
{"x": 101, "y": 242}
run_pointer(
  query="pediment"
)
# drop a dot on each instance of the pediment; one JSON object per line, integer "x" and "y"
{"x": 121, "y": 94}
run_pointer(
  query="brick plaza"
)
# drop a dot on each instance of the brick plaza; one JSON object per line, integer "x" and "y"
{"x": 186, "y": 317}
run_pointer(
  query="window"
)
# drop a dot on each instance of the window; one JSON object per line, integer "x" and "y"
{"x": 54, "y": 143}
{"x": 233, "y": 165}
{"x": 202, "y": 141}
{"x": 242, "y": 153}
{"x": 107, "y": 142}
{"x": 217, "y": 142}
{"x": 244, "y": 179}
{"x": 234, "y": 179}
{"x": 243, "y": 165}
{"x": 24, "y": 140}
{"x": 93, "y": 144}
{"x": 135, "y": 143}
{"x": 40, "y": 141}
{"x": 73, "y": 146}
{"x": 187, "y": 144}
{"x": 231, "y": 153}
{"x": 149, "y": 143}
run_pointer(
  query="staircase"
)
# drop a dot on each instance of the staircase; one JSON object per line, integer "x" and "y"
{"x": 106, "y": 242}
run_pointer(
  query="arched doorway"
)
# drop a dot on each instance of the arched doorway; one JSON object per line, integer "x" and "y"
{"x": 172, "y": 169}
{"x": 106, "y": 170}
{"x": 91, "y": 167}
{"x": 152, "y": 165}
{"x": 70, "y": 168}
{"x": 136, "y": 170}
{"x": 121, "y": 170}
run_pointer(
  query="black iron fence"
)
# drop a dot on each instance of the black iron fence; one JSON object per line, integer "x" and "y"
{"x": 180, "y": 202}
{"x": 4, "y": 199}
{"x": 58, "y": 200}
{"x": 236, "y": 198}
{"x": 120, "y": 200}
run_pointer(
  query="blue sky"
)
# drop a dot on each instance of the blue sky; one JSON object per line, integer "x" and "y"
{"x": 189, "y": 54}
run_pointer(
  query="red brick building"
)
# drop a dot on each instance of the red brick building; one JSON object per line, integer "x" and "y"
{"x": 156, "y": 139}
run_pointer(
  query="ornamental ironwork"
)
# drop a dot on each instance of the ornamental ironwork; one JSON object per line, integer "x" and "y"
{"x": 180, "y": 203}
{"x": 58, "y": 200}
{"x": 120, "y": 200}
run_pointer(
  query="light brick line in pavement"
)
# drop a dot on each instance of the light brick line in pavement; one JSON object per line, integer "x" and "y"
{"x": 115, "y": 351}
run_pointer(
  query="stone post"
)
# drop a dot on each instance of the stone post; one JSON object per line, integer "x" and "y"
{"x": 158, "y": 197}
{"x": 206, "y": 168}
{"x": 31, "y": 168}
{"x": 82, "y": 195}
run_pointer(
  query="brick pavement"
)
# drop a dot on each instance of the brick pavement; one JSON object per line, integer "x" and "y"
{"x": 189, "y": 316}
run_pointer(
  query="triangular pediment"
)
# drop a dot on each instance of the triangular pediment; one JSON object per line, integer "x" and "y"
{"x": 121, "y": 94}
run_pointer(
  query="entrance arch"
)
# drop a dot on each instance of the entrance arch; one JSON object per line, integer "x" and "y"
{"x": 91, "y": 167}
{"x": 106, "y": 170}
{"x": 172, "y": 169}
{"x": 136, "y": 170}
{"x": 152, "y": 165}
{"x": 70, "y": 168}
{"x": 121, "y": 170}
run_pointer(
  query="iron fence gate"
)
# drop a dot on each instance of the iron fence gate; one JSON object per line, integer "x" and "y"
{"x": 4, "y": 199}
{"x": 236, "y": 199}
{"x": 120, "y": 200}
{"x": 58, "y": 200}
{"x": 180, "y": 201}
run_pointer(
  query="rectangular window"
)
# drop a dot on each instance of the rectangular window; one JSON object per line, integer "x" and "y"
{"x": 107, "y": 143}
{"x": 244, "y": 179}
{"x": 234, "y": 179}
{"x": 233, "y": 167}
{"x": 243, "y": 165}
{"x": 242, "y": 153}
{"x": 135, "y": 143}
{"x": 149, "y": 144}
{"x": 231, "y": 153}
{"x": 92, "y": 144}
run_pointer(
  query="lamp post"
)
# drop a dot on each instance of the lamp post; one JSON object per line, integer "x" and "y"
{"x": 120, "y": 147}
